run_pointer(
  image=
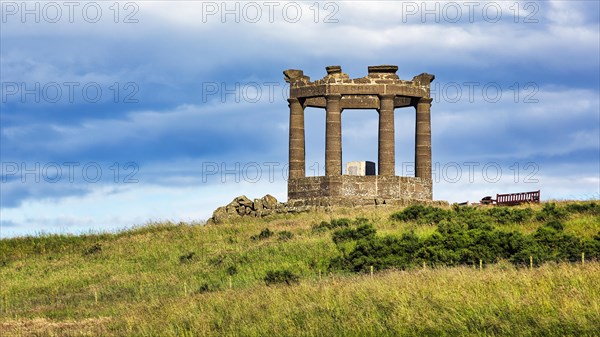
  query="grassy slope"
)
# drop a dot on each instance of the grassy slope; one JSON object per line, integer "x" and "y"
{"x": 139, "y": 282}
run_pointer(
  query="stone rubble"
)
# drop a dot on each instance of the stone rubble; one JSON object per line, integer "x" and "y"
{"x": 242, "y": 206}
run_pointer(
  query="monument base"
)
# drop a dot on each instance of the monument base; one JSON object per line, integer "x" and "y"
{"x": 358, "y": 190}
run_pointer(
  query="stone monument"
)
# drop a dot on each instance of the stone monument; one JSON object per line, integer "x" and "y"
{"x": 382, "y": 90}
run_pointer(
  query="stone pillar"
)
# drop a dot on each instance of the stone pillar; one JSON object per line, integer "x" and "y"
{"x": 333, "y": 136}
{"x": 386, "y": 150}
{"x": 423, "y": 139}
{"x": 297, "y": 157}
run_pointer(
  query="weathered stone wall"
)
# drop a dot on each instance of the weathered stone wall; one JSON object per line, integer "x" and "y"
{"x": 360, "y": 187}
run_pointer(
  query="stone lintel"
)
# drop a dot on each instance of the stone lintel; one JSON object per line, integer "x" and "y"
{"x": 358, "y": 102}
{"x": 315, "y": 90}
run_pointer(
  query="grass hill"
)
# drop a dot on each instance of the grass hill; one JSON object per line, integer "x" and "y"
{"x": 368, "y": 272}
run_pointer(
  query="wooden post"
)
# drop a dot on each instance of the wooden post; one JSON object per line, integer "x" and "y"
{"x": 371, "y": 271}
{"x": 582, "y": 258}
{"x": 530, "y": 262}
{"x": 480, "y": 264}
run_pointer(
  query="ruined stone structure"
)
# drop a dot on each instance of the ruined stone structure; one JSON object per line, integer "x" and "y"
{"x": 382, "y": 90}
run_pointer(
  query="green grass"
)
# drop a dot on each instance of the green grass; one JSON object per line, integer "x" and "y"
{"x": 185, "y": 280}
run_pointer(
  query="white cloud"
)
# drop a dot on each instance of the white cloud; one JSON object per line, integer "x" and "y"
{"x": 134, "y": 204}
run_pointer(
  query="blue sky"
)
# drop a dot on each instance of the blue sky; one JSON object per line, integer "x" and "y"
{"x": 116, "y": 115}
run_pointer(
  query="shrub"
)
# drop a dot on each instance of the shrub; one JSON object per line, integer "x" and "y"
{"x": 96, "y": 248}
{"x": 421, "y": 214}
{"x": 333, "y": 224}
{"x": 205, "y": 288}
{"x": 504, "y": 215}
{"x": 360, "y": 232}
{"x": 281, "y": 276}
{"x": 231, "y": 270}
{"x": 551, "y": 211}
{"x": 264, "y": 234}
{"x": 185, "y": 258}
{"x": 590, "y": 207}
{"x": 455, "y": 242}
{"x": 285, "y": 235}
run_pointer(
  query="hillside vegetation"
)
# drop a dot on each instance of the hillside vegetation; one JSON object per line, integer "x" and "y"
{"x": 371, "y": 271}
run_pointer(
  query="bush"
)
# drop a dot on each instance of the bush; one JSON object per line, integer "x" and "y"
{"x": 504, "y": 215}
{"x": 455, "y": 242}
{"x": 591, "y": 207}
{"x": 361, "y": 232}
{"x": 421, "y": 214}
{"x": 264, "y": 234}
{"x": 231, "y": 270}
{"x": 335, "y": 223}
{"x": 205, "y": 288}
{"x": 551, "y": 211}
{"x": 285, "y": 235}
{"x": 185, "y": 258}
{"x": 281, "y": 276}
{"x": 96, "y": 248}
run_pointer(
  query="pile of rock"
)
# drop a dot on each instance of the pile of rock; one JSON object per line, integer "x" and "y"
{"x": 243, "y": 206}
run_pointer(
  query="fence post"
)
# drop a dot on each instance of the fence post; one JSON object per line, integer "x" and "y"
{"x": 582, "y": 258}
{"x": 371, "y": 271}
{"x": 480, "y": 264}
{"x": 530, "y": 262}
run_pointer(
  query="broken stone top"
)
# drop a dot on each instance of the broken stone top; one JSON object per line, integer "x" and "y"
{"x": 381, "y": 79}
{"x": 334, "y": 73}
{"x": 294, "y": 75}
{"x": 385, "y": 69}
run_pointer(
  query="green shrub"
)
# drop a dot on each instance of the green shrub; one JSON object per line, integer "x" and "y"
{"x": 591, "y": 207}
{"x": 231, "y": 270}
{"x": 422, "y": 214}
{"x": 205, "y": 287}
{"x": 96, "y": 248}
{"x": 333, "y": 224}
{"x": 502, "y": 215}
{"x": 185, "y": 258}
{"x": 550, "y": 211}
{"x": 285, "y": 235}
{"x": 281, "y": 276}
{"x": 264, "y": 234}
{"x": 360, "y": 232}
{"x": 455, "y": 242}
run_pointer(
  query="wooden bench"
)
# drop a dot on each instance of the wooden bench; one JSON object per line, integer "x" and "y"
{"x": 517, "y": 198}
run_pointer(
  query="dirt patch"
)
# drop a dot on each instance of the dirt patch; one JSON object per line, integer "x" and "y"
{"x": 47, "y": 327}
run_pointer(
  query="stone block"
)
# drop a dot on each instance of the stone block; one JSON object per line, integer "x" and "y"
{"x": 360, "y": 168}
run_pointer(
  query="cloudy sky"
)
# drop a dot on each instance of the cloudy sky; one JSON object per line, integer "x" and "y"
{"x": 114, "y": 114}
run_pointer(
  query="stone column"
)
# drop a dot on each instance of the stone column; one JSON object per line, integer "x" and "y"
{"x": 297, "y": 152}
{"x": 386, "y": 149}
{"x": 333, "y": 136}
{"x": 423, "y": 139}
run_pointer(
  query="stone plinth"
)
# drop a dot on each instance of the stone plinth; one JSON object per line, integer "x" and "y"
{"x": 360, "y": 168}
{"x": 359, "y": 189}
